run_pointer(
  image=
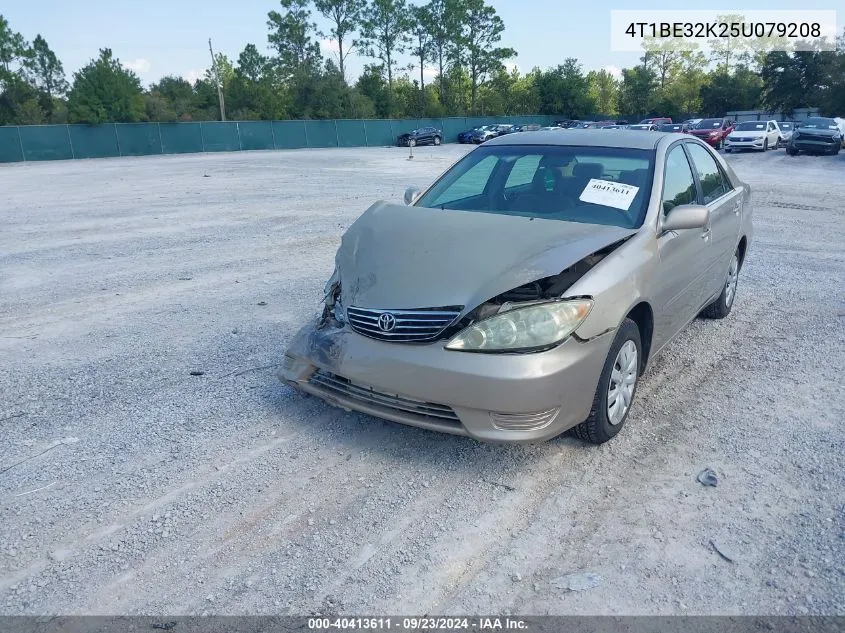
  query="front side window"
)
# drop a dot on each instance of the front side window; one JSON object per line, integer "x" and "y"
{"x": 713, "y": 184}
{"x": 678, "y": 183}
{"x": 594, "y": 185}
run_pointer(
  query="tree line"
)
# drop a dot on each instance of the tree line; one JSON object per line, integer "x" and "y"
{"x": 460, "y": 39}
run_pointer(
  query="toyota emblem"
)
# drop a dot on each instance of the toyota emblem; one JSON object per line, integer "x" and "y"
{"x": 386, "y": 322}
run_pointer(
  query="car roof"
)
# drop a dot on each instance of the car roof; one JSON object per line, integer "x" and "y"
{"x": 587, "y": 138}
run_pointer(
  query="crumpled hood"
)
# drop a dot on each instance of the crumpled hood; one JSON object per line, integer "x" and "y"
{"x": 401, "y": 257}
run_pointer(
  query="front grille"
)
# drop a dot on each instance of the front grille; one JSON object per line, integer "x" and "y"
{"x": 409, "y": 326}
{"x": 367, "y": 395}
{"x": 815, "y": 138}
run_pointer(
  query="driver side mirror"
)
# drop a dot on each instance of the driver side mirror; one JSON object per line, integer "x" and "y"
{"x": 411, "y": 195}
{"x": 690, "y": 216}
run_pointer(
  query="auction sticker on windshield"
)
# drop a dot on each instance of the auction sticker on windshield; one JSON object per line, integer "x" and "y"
{"x": 609, "y": 193}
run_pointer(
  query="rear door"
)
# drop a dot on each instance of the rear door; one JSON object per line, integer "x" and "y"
{"x": 725, "y": 204}
{"x": 679, "y": 291}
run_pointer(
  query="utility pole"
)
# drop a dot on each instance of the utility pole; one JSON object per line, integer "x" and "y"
{"x": 217, "y": 80}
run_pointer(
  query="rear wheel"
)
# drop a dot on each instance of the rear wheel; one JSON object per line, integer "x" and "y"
{"x": 616, "y": 389}
{"x": 721, "y": 307}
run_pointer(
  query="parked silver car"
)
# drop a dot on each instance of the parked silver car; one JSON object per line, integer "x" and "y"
{"x": 786, "y": 130}
{"x": 525, "y": 291}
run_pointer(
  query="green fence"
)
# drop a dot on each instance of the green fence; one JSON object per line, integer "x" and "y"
{"x": 56, "y": 142}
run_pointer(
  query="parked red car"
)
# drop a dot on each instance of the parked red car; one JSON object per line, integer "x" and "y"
{"x": 658, "y": 121}
{"x": 712, "y": 131}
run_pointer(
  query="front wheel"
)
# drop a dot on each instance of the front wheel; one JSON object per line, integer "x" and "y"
{"x": 616, "y": 389}
{"x": 791, "y": 152}
{"x": 720, "y": 144}
{"x": 721, "y": 307}
{"x": 765, "y": 145}
{"x": 437, "y": 140}
{"x": 412, "y": 143}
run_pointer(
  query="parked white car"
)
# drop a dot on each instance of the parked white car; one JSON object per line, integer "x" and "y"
{"x": 759, "y": 135}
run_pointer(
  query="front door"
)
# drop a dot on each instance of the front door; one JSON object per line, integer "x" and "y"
{"x": 683, "y": 254}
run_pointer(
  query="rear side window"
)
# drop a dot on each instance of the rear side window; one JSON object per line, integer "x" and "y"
{"x": 523, "y": 170}
{"x": 713, "y": 183}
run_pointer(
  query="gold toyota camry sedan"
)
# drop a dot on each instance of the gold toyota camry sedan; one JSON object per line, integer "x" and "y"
{"x": 524, "y": 292}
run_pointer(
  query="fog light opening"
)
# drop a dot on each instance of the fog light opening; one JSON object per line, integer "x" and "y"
{"x": 524, "y": 421}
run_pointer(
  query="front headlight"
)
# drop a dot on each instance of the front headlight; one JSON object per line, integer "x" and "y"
{"x": 537, "y": 326}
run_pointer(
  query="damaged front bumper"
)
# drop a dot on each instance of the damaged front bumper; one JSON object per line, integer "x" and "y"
{"x": 491, "y": 397}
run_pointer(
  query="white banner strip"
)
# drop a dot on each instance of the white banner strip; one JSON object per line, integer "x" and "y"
{"x": 719, "y": 30}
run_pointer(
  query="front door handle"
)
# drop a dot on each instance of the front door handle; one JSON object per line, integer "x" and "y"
{"x": 737, "y": 208}
{"x": 705, "y": 234}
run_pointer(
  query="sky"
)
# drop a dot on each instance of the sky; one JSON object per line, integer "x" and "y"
{"x": 156, "y": 37}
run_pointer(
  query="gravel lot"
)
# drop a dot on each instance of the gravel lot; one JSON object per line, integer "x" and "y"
{"x": 129, "y": 486}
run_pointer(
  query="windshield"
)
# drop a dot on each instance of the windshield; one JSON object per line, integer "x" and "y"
{"x": 639, "y": 127}
{"x": 820, "y": 124}
{"x": 671, "y": 128}
{"x": 593, "y": 185}
{"x": 707, "y": 124}
{"x": 748, "y": 126}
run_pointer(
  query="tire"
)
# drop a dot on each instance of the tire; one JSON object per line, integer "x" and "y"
{"x": 412, "y": 142}
{"x": 598, "y": 428}
{"x": 437, "y": 140}
{"x": 728, "y": 150}
{"x": 765, "y": 145}
{"x": 720, "y": 144}
{"x": 721, "y": 307}
{"x": 791, "y": 152}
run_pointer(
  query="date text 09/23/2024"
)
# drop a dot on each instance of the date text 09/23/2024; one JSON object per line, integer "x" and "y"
{"x": 418, "y": 624}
